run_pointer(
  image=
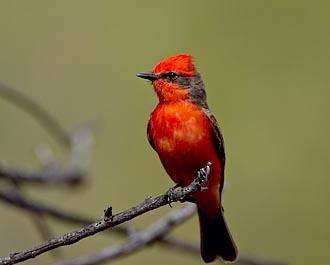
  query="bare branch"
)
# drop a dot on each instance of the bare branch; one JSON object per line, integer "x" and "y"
{"x": 16, "y": 199}
{"x": 49, "y": 175}
{"x": 138, "y": 240}
{"x": 157, "y": 233}
{"x": 111, "y": 220}
{"x": 39, "y": 113}
{"x": 79, "y": 140}
{"x": 71, "y": 173}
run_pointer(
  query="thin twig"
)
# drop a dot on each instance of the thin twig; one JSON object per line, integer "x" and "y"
{"x": 110, "y": 220}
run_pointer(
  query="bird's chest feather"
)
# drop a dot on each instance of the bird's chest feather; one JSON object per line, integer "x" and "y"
{"x": 178, "y": 129}
{"x": 182, "y": 136}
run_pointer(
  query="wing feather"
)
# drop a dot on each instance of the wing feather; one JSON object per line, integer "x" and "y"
{"x": 150, "y": 139}
{"x": 218, "y": 142}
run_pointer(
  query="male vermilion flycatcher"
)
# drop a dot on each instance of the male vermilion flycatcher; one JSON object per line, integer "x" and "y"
{"x": 186, "y": 136}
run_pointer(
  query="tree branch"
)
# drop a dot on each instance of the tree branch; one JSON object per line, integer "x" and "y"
{"x": 78, "y": 140}
{"x": 16, "y": 199}
{"x": 49, "y": 175}
{"x": 110, "y": 220}
{"x": 72, "y": 172}
{"x": 138, "y": 240}
{"x": 39, "y": 113}
{"x": 156, "y": 233}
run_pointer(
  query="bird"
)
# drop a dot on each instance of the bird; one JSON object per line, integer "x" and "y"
{"x": 186, "y": 136}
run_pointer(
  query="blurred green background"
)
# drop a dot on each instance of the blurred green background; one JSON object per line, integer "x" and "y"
{"x": 266, "y": 68}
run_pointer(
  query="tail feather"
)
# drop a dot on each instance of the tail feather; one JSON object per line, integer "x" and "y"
{"x": 216, "y": 240}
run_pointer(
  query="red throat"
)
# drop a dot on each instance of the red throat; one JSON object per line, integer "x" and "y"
{"x": 168, "y": 92}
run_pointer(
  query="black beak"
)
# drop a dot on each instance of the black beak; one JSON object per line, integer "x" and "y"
{"x": 149, "y": 76}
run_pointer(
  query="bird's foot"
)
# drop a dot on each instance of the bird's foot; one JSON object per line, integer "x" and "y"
{"x": 203, "y": 175}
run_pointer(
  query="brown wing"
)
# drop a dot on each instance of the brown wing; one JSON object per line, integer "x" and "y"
{"x": 218, "y": 142}
{"x": 150, "y": 139}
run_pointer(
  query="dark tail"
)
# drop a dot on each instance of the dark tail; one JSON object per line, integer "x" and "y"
{"x": 216, "y": 240}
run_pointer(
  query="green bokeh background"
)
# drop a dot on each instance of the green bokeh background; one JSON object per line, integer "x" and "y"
{"x": 266, "y": 68}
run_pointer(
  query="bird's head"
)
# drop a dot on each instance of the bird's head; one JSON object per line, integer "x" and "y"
{"x": 175, "y": 78}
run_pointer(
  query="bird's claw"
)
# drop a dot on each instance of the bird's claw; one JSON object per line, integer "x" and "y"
{"x": 202, "y": 177}
{"x": 203, "y": 173}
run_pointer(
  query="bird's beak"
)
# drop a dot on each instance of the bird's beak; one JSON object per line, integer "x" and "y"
{"x": 149, "y": 76}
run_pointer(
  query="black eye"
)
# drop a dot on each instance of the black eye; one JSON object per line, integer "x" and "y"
{"x": 171, "y": 76}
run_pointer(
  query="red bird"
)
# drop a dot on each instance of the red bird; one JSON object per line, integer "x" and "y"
{"x": 186, "y": 136}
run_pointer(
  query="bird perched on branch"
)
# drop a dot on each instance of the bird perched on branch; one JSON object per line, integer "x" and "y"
{"x": 186, "y": 136}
